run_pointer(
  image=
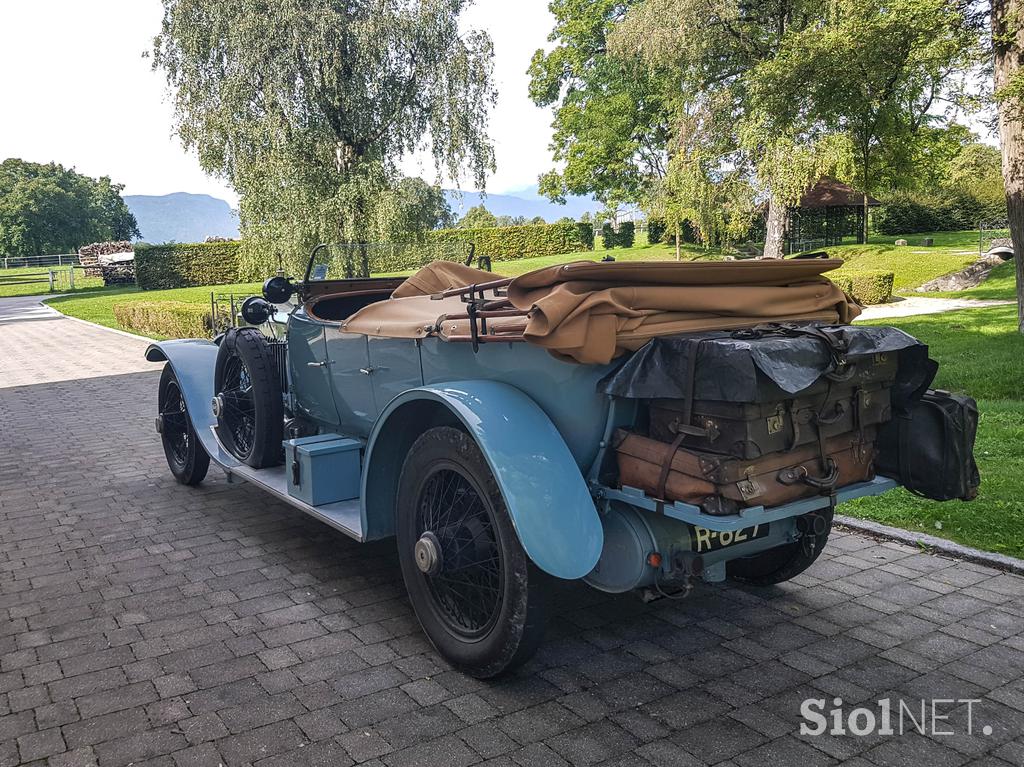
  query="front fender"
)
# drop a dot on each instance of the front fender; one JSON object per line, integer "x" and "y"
{"x": 547, "y": 498}
{"x": 193, "y": 361}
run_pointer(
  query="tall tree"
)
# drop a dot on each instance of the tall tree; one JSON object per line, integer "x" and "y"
{"x": 48, "y": 209}
{"x": 1008, "y": 50}
{"x": 713, "y": 49}
{"x": 873, "y": 71}
{"x": 611, "y": 121}
{"x": 478, "y": 217}
{"x": 306, "y": 108}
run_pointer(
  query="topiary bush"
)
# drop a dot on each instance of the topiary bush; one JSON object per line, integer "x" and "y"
{"x": 586, "y": 230}
{"x": 169, "y": 319}
{"x": 655, "y": 230}
{"x": 627, "y": 234}
{"x": 866, "y": 287}
{"x": 173, "y": 265}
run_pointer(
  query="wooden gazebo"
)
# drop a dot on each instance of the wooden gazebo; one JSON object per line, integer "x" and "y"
{"x": 829, "y": 212}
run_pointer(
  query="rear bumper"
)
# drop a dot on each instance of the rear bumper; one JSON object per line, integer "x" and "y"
{"x": 756, "y": 515}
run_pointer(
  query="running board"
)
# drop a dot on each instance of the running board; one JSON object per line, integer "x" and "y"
{"x": 344, "y": 516}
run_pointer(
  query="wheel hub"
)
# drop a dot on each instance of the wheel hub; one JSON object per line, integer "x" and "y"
{"x": 427, "y": 553}
{"x": 218, "y": 406}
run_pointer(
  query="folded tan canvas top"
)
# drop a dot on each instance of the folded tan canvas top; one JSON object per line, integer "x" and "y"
{"x": 593, "y": 312}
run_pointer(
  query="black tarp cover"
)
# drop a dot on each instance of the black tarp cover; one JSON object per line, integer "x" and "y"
{"x": 732, "y": 366}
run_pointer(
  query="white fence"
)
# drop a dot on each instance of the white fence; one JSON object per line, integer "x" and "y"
{"x": 18, "y": 262}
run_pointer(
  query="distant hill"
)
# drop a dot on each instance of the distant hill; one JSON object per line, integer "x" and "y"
{"x": 182, "y": 217}
{"x": 522, "y": 203}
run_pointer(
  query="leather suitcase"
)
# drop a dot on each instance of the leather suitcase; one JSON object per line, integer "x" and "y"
{"x": 721, "y": 484}
{"x": 750, "y": 430}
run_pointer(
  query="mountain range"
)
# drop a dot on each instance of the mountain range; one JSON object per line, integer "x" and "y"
{"x": 184, "y": 217}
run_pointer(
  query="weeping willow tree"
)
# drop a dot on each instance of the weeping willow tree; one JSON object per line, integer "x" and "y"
{"x": 307, "y": 108}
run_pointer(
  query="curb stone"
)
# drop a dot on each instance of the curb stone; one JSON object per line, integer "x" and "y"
{"x": 939, "y": 545}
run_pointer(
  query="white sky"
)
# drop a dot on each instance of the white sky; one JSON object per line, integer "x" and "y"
{"x": 75, "y": 89}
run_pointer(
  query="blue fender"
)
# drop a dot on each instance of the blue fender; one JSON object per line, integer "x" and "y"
{"x": 551, "y": 508}
{"x": 193, "y": 361}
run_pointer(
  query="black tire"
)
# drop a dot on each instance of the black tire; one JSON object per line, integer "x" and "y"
{"x": 785, "y": 562}
{"x": 484, "y": 616}
{"x": 248, "y": 403}
{"x": 186, "y": 457}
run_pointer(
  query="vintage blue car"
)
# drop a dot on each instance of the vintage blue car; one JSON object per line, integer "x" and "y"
{"x": 475, "y": 419}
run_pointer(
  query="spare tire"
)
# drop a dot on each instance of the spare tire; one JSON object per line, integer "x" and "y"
{"x": 248, "y": 401}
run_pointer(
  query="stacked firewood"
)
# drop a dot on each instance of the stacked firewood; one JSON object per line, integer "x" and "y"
{"x": 89, "y": 255}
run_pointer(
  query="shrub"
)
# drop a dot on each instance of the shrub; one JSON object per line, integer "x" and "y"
{"x": 159, "y": 267}
{"x": 508, "y": 243}
{"x": 607, "y": 236}
{"x": 906, "y": 213}
{"x": 170, "y": 319}
{"x": 627, "y": 234}
{"x": 867, "y": 287}
{"x": 655, "y": 230}
{"x": 586, "y": 230}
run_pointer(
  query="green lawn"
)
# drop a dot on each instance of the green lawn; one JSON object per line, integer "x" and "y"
{"x": 979, "y": 353}
{"x": 912, "y": 264}
{"x": 32, "y": 281}
{"x": 98, "y": 306}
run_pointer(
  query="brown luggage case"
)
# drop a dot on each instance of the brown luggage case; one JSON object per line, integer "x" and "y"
{"x": 750, "y": 430}
{"x": 703, "y": 478}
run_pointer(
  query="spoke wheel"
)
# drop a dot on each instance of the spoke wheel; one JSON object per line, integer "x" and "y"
{"x": 186, "y": 457}
{"x": 467, "y": 585}
{"x": 248, "y": 401}
{"x": 474, "y": 590}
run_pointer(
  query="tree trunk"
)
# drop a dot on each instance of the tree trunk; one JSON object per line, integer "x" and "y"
{"x": 775, "y": 229}
{"x": 864, "y": 230}
{"x": 679, "y": 247}
{"x": 1008, "y": 46}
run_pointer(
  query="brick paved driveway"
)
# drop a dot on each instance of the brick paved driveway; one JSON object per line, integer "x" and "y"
{"x": 145, "y": 623}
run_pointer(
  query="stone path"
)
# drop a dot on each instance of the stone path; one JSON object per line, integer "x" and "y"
{"x": 40, "y": 345}
{"x": 907, "y": 307}
{"x": 142, "y": 622}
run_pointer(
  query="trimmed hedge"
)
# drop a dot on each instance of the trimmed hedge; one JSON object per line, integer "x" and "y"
{"x": 170, "y": 319}
{"x": 160, "y": 267}
{"x": 907, "y": 213}
{"x": 867, "y": 287}
{"x": 624, "y": 238}
{"x": 509, "y": 243}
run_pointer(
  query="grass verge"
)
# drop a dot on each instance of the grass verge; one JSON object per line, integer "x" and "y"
{"x": 980, "y": 354}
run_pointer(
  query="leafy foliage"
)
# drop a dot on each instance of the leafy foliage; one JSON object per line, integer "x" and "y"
{"x": 161, "y": 267}
{"x": 164, "y": 319}
{"x": 47, "y": 209}
{"x": 478, "y": 217}
{"x": 611, "y": 117}
{"x": 307, "y": 108}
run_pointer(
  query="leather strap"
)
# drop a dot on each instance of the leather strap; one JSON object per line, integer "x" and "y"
{"x": 666, "y": 467}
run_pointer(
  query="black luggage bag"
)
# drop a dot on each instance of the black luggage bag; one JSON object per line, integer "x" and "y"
{"x": 929, "y": 448}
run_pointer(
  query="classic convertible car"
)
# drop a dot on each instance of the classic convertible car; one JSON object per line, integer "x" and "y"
{"x": 638, "y": 426}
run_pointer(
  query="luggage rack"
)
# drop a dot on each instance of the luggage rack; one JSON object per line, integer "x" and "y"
{"x": 480, "y": 309}
{"x": 754, "y": 515}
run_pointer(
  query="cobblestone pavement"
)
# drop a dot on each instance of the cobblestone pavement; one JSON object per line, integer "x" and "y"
{"x": 142, "y": 622}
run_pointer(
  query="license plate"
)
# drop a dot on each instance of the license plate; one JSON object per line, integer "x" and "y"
{"x": 705, "y": 540}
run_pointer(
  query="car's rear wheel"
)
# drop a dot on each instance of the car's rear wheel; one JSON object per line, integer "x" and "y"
{"x": 248, "y": 403}
{"x": 185, "y": 455}
{"x": 473, "y": 588}
{"x": 789, "y": 560}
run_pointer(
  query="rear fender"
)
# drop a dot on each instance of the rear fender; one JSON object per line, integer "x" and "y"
{"x": 547, "y": 498}
{"x": 193, "y": 361}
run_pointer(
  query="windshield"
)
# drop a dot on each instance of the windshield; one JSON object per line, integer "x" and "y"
{"x": 343, "y": 261}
